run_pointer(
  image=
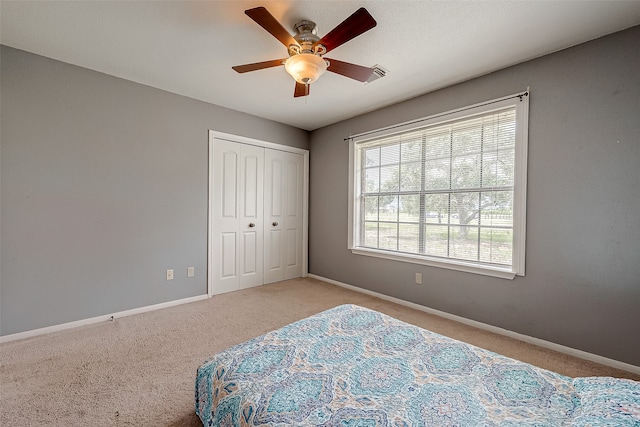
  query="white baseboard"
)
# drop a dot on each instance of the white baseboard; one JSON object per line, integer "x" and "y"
{"x": 542, "y": 343}
{"x": 97, "y": 319}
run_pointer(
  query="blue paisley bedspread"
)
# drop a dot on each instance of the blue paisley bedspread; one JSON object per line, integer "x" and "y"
{"x": 355, "y": 367}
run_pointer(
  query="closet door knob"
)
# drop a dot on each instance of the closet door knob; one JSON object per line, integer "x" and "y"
{"x": 275, "y": 224}
{"x": 252, "y": 225}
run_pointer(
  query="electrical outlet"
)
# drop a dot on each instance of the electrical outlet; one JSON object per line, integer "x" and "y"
{"x": 191, "y": 271}
{"x": 419, "y": 278}
{"x": 169, "y": 274}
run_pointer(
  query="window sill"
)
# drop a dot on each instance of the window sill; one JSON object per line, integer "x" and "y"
{"x": 503, "y": 273}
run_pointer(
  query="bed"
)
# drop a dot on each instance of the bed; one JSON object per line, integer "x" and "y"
{"x": 354, "y": 367}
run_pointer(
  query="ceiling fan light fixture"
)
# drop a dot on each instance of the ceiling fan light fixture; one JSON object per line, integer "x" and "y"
{"x": 305, "y": 62}
{"x": 305, "y": 68}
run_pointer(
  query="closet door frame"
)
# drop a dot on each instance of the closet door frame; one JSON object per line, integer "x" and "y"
{"x": 213, "y": 135}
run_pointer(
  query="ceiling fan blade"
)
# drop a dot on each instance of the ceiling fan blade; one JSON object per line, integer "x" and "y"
{"x": 269, "y": 23}
{"x": 353, "y": 71}
{"x": 301, "y": 90}
{"x": 358, "y": 23}
{"x": 258, "y": 65}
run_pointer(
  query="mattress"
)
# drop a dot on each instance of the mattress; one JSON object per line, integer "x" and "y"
{"x": 352, "y": 366}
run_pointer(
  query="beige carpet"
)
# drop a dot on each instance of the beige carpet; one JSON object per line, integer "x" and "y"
{"x": 140, "y": 370}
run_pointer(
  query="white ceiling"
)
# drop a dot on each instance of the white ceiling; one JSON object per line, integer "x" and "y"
{"x": 188, "y": 48}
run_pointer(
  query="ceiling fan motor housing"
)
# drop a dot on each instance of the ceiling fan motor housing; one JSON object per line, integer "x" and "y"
{"x": 306, "y": 34}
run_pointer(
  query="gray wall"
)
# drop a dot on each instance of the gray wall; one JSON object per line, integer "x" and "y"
{"x": 104, "y": 187}
{"x": 582, "y": 283}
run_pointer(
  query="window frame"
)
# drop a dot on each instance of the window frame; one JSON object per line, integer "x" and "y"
{"x": 520, "y": 102}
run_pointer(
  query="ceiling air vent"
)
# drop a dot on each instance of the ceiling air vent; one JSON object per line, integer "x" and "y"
{"x": 378, "y": 73}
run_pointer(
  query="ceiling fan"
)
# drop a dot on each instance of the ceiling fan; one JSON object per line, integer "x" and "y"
{"x": 306, "y": 62}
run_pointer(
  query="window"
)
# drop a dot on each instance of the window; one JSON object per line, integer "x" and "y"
{"x": 447, "y": 190}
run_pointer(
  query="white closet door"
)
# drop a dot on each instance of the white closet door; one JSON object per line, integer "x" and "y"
{"x": 283, "y": 217}
{"x": 237, "y": 246}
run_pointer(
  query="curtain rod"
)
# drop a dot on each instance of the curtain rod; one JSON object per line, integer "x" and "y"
{"x": 517, "y": 95}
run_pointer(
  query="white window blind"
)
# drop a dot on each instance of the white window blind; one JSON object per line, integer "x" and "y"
{"x": 445, "y": 190}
